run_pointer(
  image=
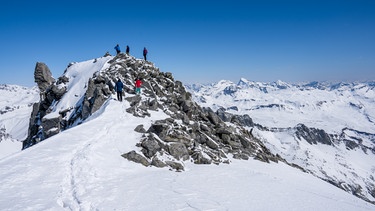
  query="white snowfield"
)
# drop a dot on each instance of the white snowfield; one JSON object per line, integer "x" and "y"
{"x": 82, "y": 169}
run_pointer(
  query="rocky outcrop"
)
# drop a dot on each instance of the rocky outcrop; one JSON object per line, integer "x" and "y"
{"x": 312, "y": 135}
{"x": 43, "y": 76}
{"x": 191, "y": 133}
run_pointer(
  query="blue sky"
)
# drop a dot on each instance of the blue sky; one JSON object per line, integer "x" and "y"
{"x": 198, "y": 41}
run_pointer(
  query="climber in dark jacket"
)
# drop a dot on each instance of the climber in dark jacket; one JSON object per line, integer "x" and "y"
{"x": 127, "y": 50}
{"x": 117, "y": 48}
{"x": 118, "y": 87}
{"x": 145, "y": 53}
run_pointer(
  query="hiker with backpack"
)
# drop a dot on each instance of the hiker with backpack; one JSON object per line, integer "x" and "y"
{"x": 118, "y": 87}
{"x": 138, "y": 83}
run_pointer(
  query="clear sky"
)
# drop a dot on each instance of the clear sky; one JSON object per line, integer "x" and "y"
{"x": 198, "y": 41}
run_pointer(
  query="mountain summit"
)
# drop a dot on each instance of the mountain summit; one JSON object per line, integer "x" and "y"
{"x": 87, "y": 151}
{"x": 189, "y": 132}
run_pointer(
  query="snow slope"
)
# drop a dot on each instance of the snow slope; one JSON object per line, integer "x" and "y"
{"x": 81, "y": 169}
{"x": 15, "y": 108}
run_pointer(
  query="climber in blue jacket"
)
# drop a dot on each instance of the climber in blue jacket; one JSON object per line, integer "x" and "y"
{"x": 117, "y": 48}
{"x": 118, "y": 87}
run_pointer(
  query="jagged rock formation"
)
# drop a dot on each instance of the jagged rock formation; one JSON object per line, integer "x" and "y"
{"x": 44, "y": 115}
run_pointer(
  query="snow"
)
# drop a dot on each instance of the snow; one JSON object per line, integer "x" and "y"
{"x": 79, "y": 75}
{"x": 82, "y": 169}
{"x": 341, "y": 109}
{"x": 282, "y": 105}
{"x": 15, "y": 109}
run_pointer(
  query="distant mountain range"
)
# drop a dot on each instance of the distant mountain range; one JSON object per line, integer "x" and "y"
{"x": 328, "y": 129}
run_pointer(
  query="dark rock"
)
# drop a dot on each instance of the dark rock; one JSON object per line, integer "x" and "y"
{"x": 51, "y": 126}
{"x": 199, "y": 158}
{"x": 140, "y": 129}
{"x": 212, "y": 144}
{"x": 213, "y": 117}
{"x": 158, "y": 163}
{"x": 43, "y": 76}
{"x": 150, "y": 147}
{"x": 134, "y": 100}
{"x": 174, "y": 165}
{"x": 137, "y": 158}
{"x": 62, "y": 80}
{"x": 312, "y": 135}
{"x": 178, "y": 151}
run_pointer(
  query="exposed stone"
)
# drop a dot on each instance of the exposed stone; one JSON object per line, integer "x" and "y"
{"x": 51, "y": 123}
{"x": 312, "y": 135}
{"x": 150, "y": 147}
{"x": 137, "y": 158}
{"x": 43, "y": 76}
{"x": 158, "y": 163}
{"x": 140, "y": 129}
{"x": 174, "y": 165}
{"x": 199, "y": 158}
{"x": 179, "y": 151}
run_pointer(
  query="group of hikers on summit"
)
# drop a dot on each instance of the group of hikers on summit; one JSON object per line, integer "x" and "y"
{"x": 118, "y": 50}
{"x": 138, "y": 82}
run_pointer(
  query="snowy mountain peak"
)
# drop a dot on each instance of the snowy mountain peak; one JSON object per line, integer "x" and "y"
{"x": 87, "y": 133}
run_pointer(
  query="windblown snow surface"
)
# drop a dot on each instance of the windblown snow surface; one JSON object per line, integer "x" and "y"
{"x": 82, "y": 169}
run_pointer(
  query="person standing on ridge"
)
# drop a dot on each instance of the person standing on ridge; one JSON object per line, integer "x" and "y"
{"x": 145, "y": 53}
{"x": 117, "y": 48}
{"x": 138, "y": 84}
{"x": 118, "y": 87}
{"x": 127, "y": 50}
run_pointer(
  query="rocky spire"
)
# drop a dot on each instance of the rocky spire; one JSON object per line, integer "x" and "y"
{"x": 43, "y": 76}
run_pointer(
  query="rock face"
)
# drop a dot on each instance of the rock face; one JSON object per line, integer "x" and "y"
{"x": 43, "y": 76}
{"x": 313, "y": 135}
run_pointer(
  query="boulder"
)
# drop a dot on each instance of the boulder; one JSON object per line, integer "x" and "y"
{"x": 140, "y": 129}
{"x": 137, "y": 158}
{"x": 178, "y": 151}
{"x": 150, "y": 147}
